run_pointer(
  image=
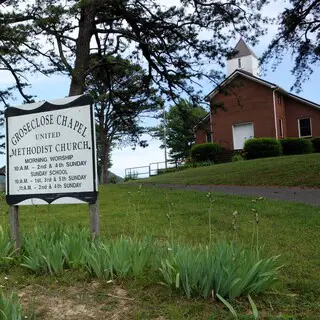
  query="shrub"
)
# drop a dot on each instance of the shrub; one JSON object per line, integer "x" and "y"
{"x": 131, "y": 176}
{"x": 199, "y": 164}
{"x": 205, "y": 152}
{"x": 113, "y": 179}
{"x": 262, "y": 148}
{"x": 316, "y": 144}
{"x": 187, "y": 165}
{"x": 296, "y": 146}
{"x": 237, "y": 157}
{"x": 170, "y": 170}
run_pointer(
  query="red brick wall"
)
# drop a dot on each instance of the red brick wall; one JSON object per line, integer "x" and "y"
{"x": 247, "y": 101}
{"x": 201, "y": 131}
{"x": 201, "y": 136}
{"x": 296, "y": 110}
{"x": 281, "y": 113}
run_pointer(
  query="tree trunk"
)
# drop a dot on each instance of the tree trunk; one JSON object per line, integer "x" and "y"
{"x": 105, "y": 162}
{"x": 81, "y": 65}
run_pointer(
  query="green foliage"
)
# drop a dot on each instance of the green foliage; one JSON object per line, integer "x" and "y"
{"x": 131, "y": 257}
{"x": 254, "y": 308}
{"x": 298, "y": 34}
{"x": 228, "y": 305}
{"x": 293, "y": 146}
{"x": 179, "y": 124}
{"x": 262, "y": 148}
{"x": 225, "y": 269}
{"x": 237, "y": 157}
{"x": 149, "y": 28}
{"x": 194, "y": 164}
{"x": 205, "y": 152}
{"x": 290, "y": 171}
{"x": 120, "y": 258}
{"x": 10, "y": 308}
{"x": 53, "y": 249}
{"x": 74, "y": 244}
{"x": 98, "y": 261}
{"x": 255, "y": 312}
{"x": 170, "y": 170}
{"x": 6, "y": 245}
{"x": 16, "y": 58}
{"x": 113, "y": 179}
{"x": 132, "y": 175}
{"x": 121, "y": 98}
{"x": 187, "y": 165}
{"x": 316, "y": 144}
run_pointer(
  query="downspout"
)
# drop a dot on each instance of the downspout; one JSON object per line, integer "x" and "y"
{"x": 210, "y": 123}
{"x": 275, "y": 113}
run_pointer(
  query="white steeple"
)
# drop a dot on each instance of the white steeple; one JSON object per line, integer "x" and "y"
{"x": 243, "y": 59}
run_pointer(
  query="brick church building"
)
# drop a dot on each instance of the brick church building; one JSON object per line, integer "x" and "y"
{"x": 253, "y": 107}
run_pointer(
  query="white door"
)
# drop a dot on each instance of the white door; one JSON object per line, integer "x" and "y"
{"x": 242, "y": 132}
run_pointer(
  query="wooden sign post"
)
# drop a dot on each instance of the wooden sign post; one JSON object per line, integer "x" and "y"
{"x": 51, "y": 157}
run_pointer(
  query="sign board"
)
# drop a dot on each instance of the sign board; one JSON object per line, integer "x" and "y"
{"x": 50, "y": 148}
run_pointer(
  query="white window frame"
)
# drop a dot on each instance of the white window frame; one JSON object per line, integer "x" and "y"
{"x": 300, "y": 136}
{"x": 210, "y": 136}
{"x": 281, "y": 135}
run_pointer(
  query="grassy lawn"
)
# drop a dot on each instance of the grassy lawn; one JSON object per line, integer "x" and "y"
{"x": 289, "y": 229}
{"x": 291, "y": 171}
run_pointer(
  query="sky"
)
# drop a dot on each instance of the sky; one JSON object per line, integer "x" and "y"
{"x": 57, "y": 86}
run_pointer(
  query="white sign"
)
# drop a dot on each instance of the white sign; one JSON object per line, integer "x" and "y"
{"x": 51, "y": 152}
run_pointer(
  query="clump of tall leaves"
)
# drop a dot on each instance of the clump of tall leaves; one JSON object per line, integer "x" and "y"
{"x": 225, "y": 269}
{"x": 53, "y": 249}
{"x": 120, "y": 257}
{"x": 6, "y": 245}
{"x": 10, "y": 308}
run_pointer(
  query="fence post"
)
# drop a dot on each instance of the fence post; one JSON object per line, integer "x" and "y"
{"x": 94, "y": 219}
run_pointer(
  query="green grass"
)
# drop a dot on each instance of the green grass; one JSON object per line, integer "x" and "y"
{"x": 291, "y": 171}
{"x": 289, "y": 229}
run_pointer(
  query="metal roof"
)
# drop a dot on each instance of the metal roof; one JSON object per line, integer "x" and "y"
{"x": 241, "y": 50}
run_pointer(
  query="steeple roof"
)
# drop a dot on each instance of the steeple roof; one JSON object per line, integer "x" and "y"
{"x": 242, "y": 50}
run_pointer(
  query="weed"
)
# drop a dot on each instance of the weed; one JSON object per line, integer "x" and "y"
{"x": 10, "y": 308}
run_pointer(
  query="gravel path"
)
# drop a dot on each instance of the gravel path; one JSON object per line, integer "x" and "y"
{"x": 302, "y": 195}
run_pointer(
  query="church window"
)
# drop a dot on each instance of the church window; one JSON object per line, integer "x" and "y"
{"x": 305, "y": 128}
{"x": 280, "y": 128}
{"x": 279, "y": 98}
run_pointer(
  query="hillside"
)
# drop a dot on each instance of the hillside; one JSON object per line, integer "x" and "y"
{"x": 171, "y": 216}
{"x": 290, "y": 171}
